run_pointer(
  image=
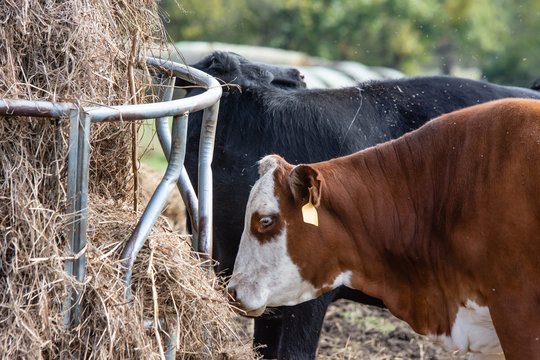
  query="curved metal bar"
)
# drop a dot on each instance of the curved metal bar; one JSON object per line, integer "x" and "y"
{"x": 157, "y": 202}
{"x": 127, "y": 112}
{"x": 166, "y": 91}
{"x": 170, "y": 108}
{"x": 191, "y": 203}
{"x": 184, "y": 184}
{"x": 206, "y": 150}
{"x": 175, "y": 171}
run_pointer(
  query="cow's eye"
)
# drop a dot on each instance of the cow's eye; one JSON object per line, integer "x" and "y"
{"x": 266, "y": 221}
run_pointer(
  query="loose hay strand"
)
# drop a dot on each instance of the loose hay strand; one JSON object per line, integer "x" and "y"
{"x": 150, "y": 273}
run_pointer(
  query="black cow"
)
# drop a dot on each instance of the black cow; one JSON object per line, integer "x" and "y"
{"x": 272, "y": 112}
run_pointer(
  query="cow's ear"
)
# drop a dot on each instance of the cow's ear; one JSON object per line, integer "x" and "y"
{"x": 223, "y": 66}
{"x": 302, "y": 178}
{"x": 223, "y": 63}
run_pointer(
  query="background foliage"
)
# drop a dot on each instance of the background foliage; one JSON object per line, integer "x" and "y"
{"x": 500, "y": 37}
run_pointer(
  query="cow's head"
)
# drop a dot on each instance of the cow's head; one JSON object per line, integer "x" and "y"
{"x": 283, "y": 260}
{"x": 231, "y": 68}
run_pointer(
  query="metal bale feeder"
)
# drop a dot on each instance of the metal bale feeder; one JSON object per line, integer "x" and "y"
{"x": 173, "y": 144}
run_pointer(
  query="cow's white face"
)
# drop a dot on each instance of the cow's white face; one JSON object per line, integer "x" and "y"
{"x": 264, "y": 273}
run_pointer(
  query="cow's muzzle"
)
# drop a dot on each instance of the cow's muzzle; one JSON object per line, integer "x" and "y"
{"x": 240, "y": 308}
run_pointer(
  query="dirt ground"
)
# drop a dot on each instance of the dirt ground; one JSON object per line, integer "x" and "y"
{"x": 355, "y": 331}
{"x": 350, "y": 330}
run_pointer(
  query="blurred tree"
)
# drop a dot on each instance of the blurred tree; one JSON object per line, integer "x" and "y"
{"x": 407, "y": 35}
{"x": 517, "y": 61}
{"x": 208, "y": 20}
{"x": 465, "y": 30}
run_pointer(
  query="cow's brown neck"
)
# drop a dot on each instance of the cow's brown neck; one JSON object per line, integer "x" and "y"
{"x": 426, "y": 222}
{"x": 393, "y": 202}
{"x": 445, "y": 215}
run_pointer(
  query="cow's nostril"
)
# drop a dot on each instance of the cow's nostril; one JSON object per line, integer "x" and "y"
{"x": 232, "y": 294}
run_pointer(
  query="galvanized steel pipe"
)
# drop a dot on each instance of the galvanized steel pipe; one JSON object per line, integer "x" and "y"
{"x": 184, "y": 184}
{"x": 35, "y": 108}
{"x": 170, "y": 108}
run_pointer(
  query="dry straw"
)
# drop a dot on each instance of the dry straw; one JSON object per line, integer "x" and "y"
{"x": 80, "y": 51}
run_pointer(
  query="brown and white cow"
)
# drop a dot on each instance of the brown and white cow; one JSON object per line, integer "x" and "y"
{"x": 442, "y": 224}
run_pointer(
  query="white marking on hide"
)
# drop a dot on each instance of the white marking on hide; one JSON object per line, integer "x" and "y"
{"x": 342, "y": 279}
{"x": 473, "y": 331}
{"x": 265, "y": 200}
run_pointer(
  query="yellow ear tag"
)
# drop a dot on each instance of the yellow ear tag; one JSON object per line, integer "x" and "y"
{"x": 309, "y": 212}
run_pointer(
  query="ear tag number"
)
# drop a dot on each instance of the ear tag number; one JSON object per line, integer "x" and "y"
{"x": 309, "y": 212}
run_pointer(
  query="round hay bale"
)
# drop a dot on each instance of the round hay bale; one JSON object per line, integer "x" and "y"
{"x": 80, "y": 51}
